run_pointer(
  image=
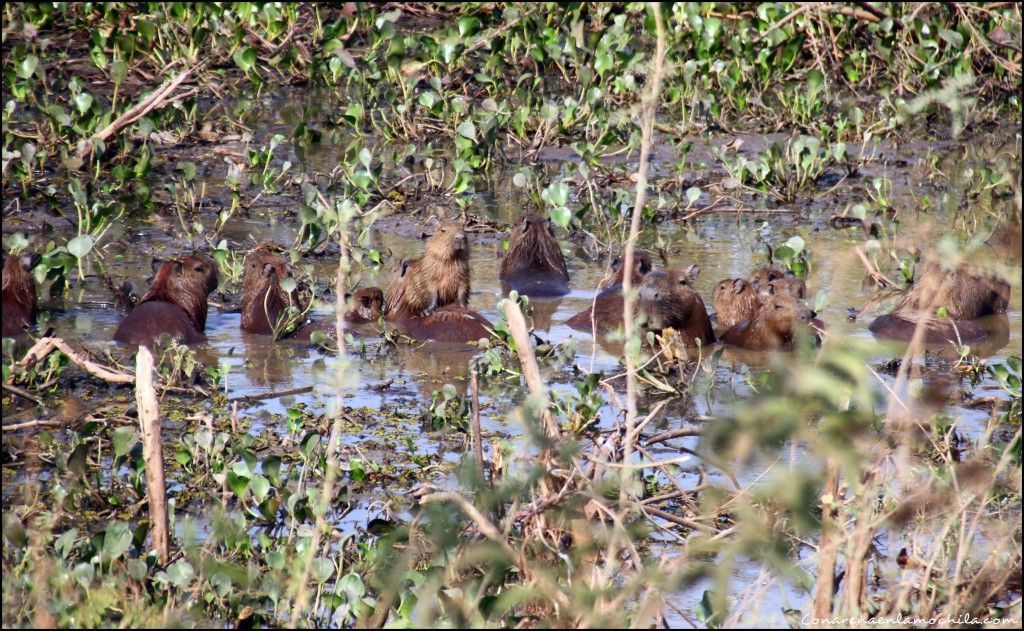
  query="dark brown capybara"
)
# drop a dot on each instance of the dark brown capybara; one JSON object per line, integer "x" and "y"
{"x": 534, "y": 265}
{"x": 763, "y": 275}
{"x": 438, "y": 278}
{"x": 263, "y": 298}
{"x": 19, "y": 294}
{"x": 608, "y": 304}
{"x": 774, "y": 326}
{"x": 965, "y": 293}
{"x": 451, "y": 323}
{"x": 787, "y": 284}
{"x": 174, "y": 305}
{"x": 667, "y": 300}
{"x": 735, "y": 300}
{"x": 367, "y": 306}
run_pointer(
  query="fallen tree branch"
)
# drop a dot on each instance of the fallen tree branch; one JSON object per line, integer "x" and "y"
{"x": 47, "y": 345}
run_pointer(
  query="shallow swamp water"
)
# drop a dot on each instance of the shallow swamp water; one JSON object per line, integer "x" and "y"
{"x": 387, "y": 389}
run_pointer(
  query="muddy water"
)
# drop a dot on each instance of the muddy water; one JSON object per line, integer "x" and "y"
{"x": 404, "y": 379}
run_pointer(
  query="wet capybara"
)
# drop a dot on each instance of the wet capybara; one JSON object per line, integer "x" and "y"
{"x": 787, "y": 284}
{"x": 964, "y": 293}
{"x": 450, "y": 323}
{"x": 534, "y": 265}
{"x": 764, "y": 275}
{"x": 440, "y": 277}
{"x": 667, "y": 300}
{"x": 19, "y": 293}
{"x": 774, "y": 325}
{"x": 608, "y": 304}
{"x": 263, "y": 298}
{"x": 175, "y": 303}
{"x": 735, "y": 300}
{"x": 367, "y": 306}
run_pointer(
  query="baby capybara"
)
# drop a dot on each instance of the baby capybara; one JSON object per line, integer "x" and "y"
{"x": 451, "y": 323}
{"x": 774, "y": 325}
{"x": 440, "y": 277}
{"x": 965, "y": 294}
{"x": 667, "y": 300}
{"x": 787, "y": 284}
{"x": 175, "y": 303}
{"x": 764, "y": 275}
{"x": 735, "y": 300}
{"x": 367, "y": 306}
{"x": 533, "y": 264}
{"x": 263, "y": 298}
{"x": 608, "y": 304}
{"x": 19, "y": 292}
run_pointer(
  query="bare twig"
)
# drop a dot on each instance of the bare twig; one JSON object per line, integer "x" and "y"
{"x": 152, "y": 449}
{"x": 45, "y": 346}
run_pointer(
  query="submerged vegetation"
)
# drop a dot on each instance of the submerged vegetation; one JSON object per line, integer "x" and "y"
{"x": 668, "y": 488}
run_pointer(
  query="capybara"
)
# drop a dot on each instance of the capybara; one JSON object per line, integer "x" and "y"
{"x": 263, "y": 298}
{"x": 19, "y": 290}
{"x": 608, "y": 304}
{"x": 764, "y": 275}
{"x": 534, "y": 265}
{"x": 440, "y": 277}
{"x": 735, "y": 300}
{"x": 964, "y": 293}
{"x": 451, "y": 323}
{"x": 774, "y": 325}
{"x": 367, "y": 306}
{"x": 175, "y": 303}
{"x": 787, "y": 284}
{"x": 667, "y": 300}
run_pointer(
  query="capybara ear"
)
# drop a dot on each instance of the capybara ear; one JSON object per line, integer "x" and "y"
{"x": 29, "y": 261}
{"x": 404, "y": 266}
{"x": 617, "y": 263}
{"x": 366, "y": 300}
{"x": 348, "y": 297}
{"x": 268, "y": 269}
{"x": 737, "y": 286}
{"x": 156, "y": 264}
{"x": 690, "y": 274}
{"x": 177, "y": 266}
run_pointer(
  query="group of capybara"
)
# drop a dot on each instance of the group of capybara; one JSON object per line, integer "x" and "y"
{"x": 427, "y": 298}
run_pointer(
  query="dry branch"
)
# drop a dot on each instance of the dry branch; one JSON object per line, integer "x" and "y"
{"x": 152, "y": 450}
{"x": 47, "y": 345}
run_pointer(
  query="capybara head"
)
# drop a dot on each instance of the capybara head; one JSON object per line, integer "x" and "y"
{"x": 367, "y": 305}
{"x": 187, "y": 282}
{"x": 533, "y": 253}
{"x": 641, "y": 265}
{"x": 666, "y": 298}
{"x": 449, "y": 241}
{"x": 787, "y": 284}
{"x": 782, "y": 313}
{"x": 764, "y": 275}
{"x": 19, "y": 293}
{"x": 263, "y": 298}
{"x": 735, "y": 300}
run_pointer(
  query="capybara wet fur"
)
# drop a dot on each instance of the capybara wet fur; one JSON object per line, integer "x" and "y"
{"x": 263, "y": 298}
{"x": 438, "y": 278}
{"x": 964, "y": 293}
{"x": 174, "y": 305}
{"x": 734, "y": 300}
{"x": 773, "y": 327}
{"x": 606, "y": 311}
{"x": 367, "y": 306}
{"x": 19, "y": 294}
{"x": 667, "y": 300}
{"x": 533, "y": 264}
{"x": 451, "y": 324}
{"x": 763, "y": 275}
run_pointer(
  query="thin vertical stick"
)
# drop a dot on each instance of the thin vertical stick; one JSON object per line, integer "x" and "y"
{"x": 649, "y": 109}
{"x": 152, "y": 451}
{"x": 828, "y": 548}
{"x": 478, "y": 448}
{"x": 528, "y": 361}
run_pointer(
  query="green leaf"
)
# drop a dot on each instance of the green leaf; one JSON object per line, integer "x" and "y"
{"x": 322, "y": 569}
{"x": 468, "y": 26}
{"x": 259, "y": 486}
{"x": 117, "y": 538}
{"x": 245, "y": 58}
{"x": 123, "y": 439}
{"x": 27, "y": 67}
{"x": 80, "y": 245}
{"x": 467, "y": 129}
{"x": 561, "y": 216}
{"x": 692, "y": 194}
{"x": 353, "y": 587}
{"x": 180, "y": 573}
{"x": 83, "y": 102}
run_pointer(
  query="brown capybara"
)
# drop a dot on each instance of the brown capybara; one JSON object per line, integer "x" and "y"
{"x": 534, "y": 265}
{"x": 263, "y": 298}
{"x": 763, "y": 275}
{"x": 440, "y": 277}
{"x": 19, "y": 293}
{"x": 451, "y": 323}
{"x": 787, "y": 284}
{"x": 175, "y": 303}
{"x": 964, "y": 293}
{"x": 667, "y": 300}
{"x": 608, "y": 304}
{"x": 773, "y": 327}
{"x": 735, "y": 300}
{"x": 367, "y": 306}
